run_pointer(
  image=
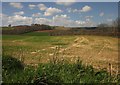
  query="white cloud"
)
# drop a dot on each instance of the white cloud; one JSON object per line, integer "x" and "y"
{"x": 109, "y": 20}
{"x": 61, "y": 20}
{"x": 65, "y": 2}
{"x": 43, "y": 21}
{"x": 75, "y": 10}
{"x": 86, "y": 23}
{"x": 64, "y": 20}
{"x": 80, "y": 22}
{"x": 51, "y": 11}
{"x": 2, "y": 15}
{"x": 16, "y": 5}
{"x": 57, "y": 20}
{"x": 83, "y": 9}
{"x": 36, "y": 15}
{"x": 88, "y": 17}
{"x": 20, "y": 20}
{"x": 86, "y": 9}
{"x": 4, "y": 18}
{"x": 89, "y": 22}
{"x": 70, "y": 10}
{"x": 16, "y": 20}
{"x": 32, "y": 6}
{"x": 42, "y": 7}
{"x": 101, "y": 14}
{"x": 61, "y": 16}
{"x": 19, "y": 13}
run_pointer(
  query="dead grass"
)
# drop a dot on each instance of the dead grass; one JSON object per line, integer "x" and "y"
{"x": 92, "y": 50}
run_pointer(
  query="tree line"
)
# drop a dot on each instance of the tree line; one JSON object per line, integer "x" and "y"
{"x": 25, "y": 28}
{"x": 101, "y": 29}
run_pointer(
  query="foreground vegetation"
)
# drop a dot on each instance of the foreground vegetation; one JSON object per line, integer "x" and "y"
{"x": 59, "y": 72}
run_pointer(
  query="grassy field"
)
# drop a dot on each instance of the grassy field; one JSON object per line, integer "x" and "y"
{"x": 101, "y": 52}
{"x": 36, "y": 34}
{"x": 7, "y": 28}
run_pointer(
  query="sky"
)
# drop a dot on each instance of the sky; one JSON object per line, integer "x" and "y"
{"x": 69, "y": 14}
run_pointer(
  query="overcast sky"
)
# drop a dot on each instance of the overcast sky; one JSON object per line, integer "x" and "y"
{"x": 75, "y": 14}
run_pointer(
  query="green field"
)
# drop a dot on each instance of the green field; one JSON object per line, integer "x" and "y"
{"x": 36, "y": 34}
{"x": 34, "y": 48}
{"x": 7, "y": 28}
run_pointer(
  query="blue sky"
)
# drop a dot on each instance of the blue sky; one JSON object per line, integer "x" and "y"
{"x": 58, "y": 13}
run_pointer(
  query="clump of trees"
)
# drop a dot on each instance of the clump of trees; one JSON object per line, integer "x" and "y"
{"x": 9, "y": 25}
{"x": 25, "y": 28}
{"x": 112, "y": 28}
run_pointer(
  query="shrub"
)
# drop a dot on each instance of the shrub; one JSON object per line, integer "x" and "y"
{"x": 57, "y": 73}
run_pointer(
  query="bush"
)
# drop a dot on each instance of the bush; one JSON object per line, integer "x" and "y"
{"x": 69, "y": 73}
{"x": 11, "y": 64}
{"x": 13, "y": 71}
{"x": 58, "y": 73}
